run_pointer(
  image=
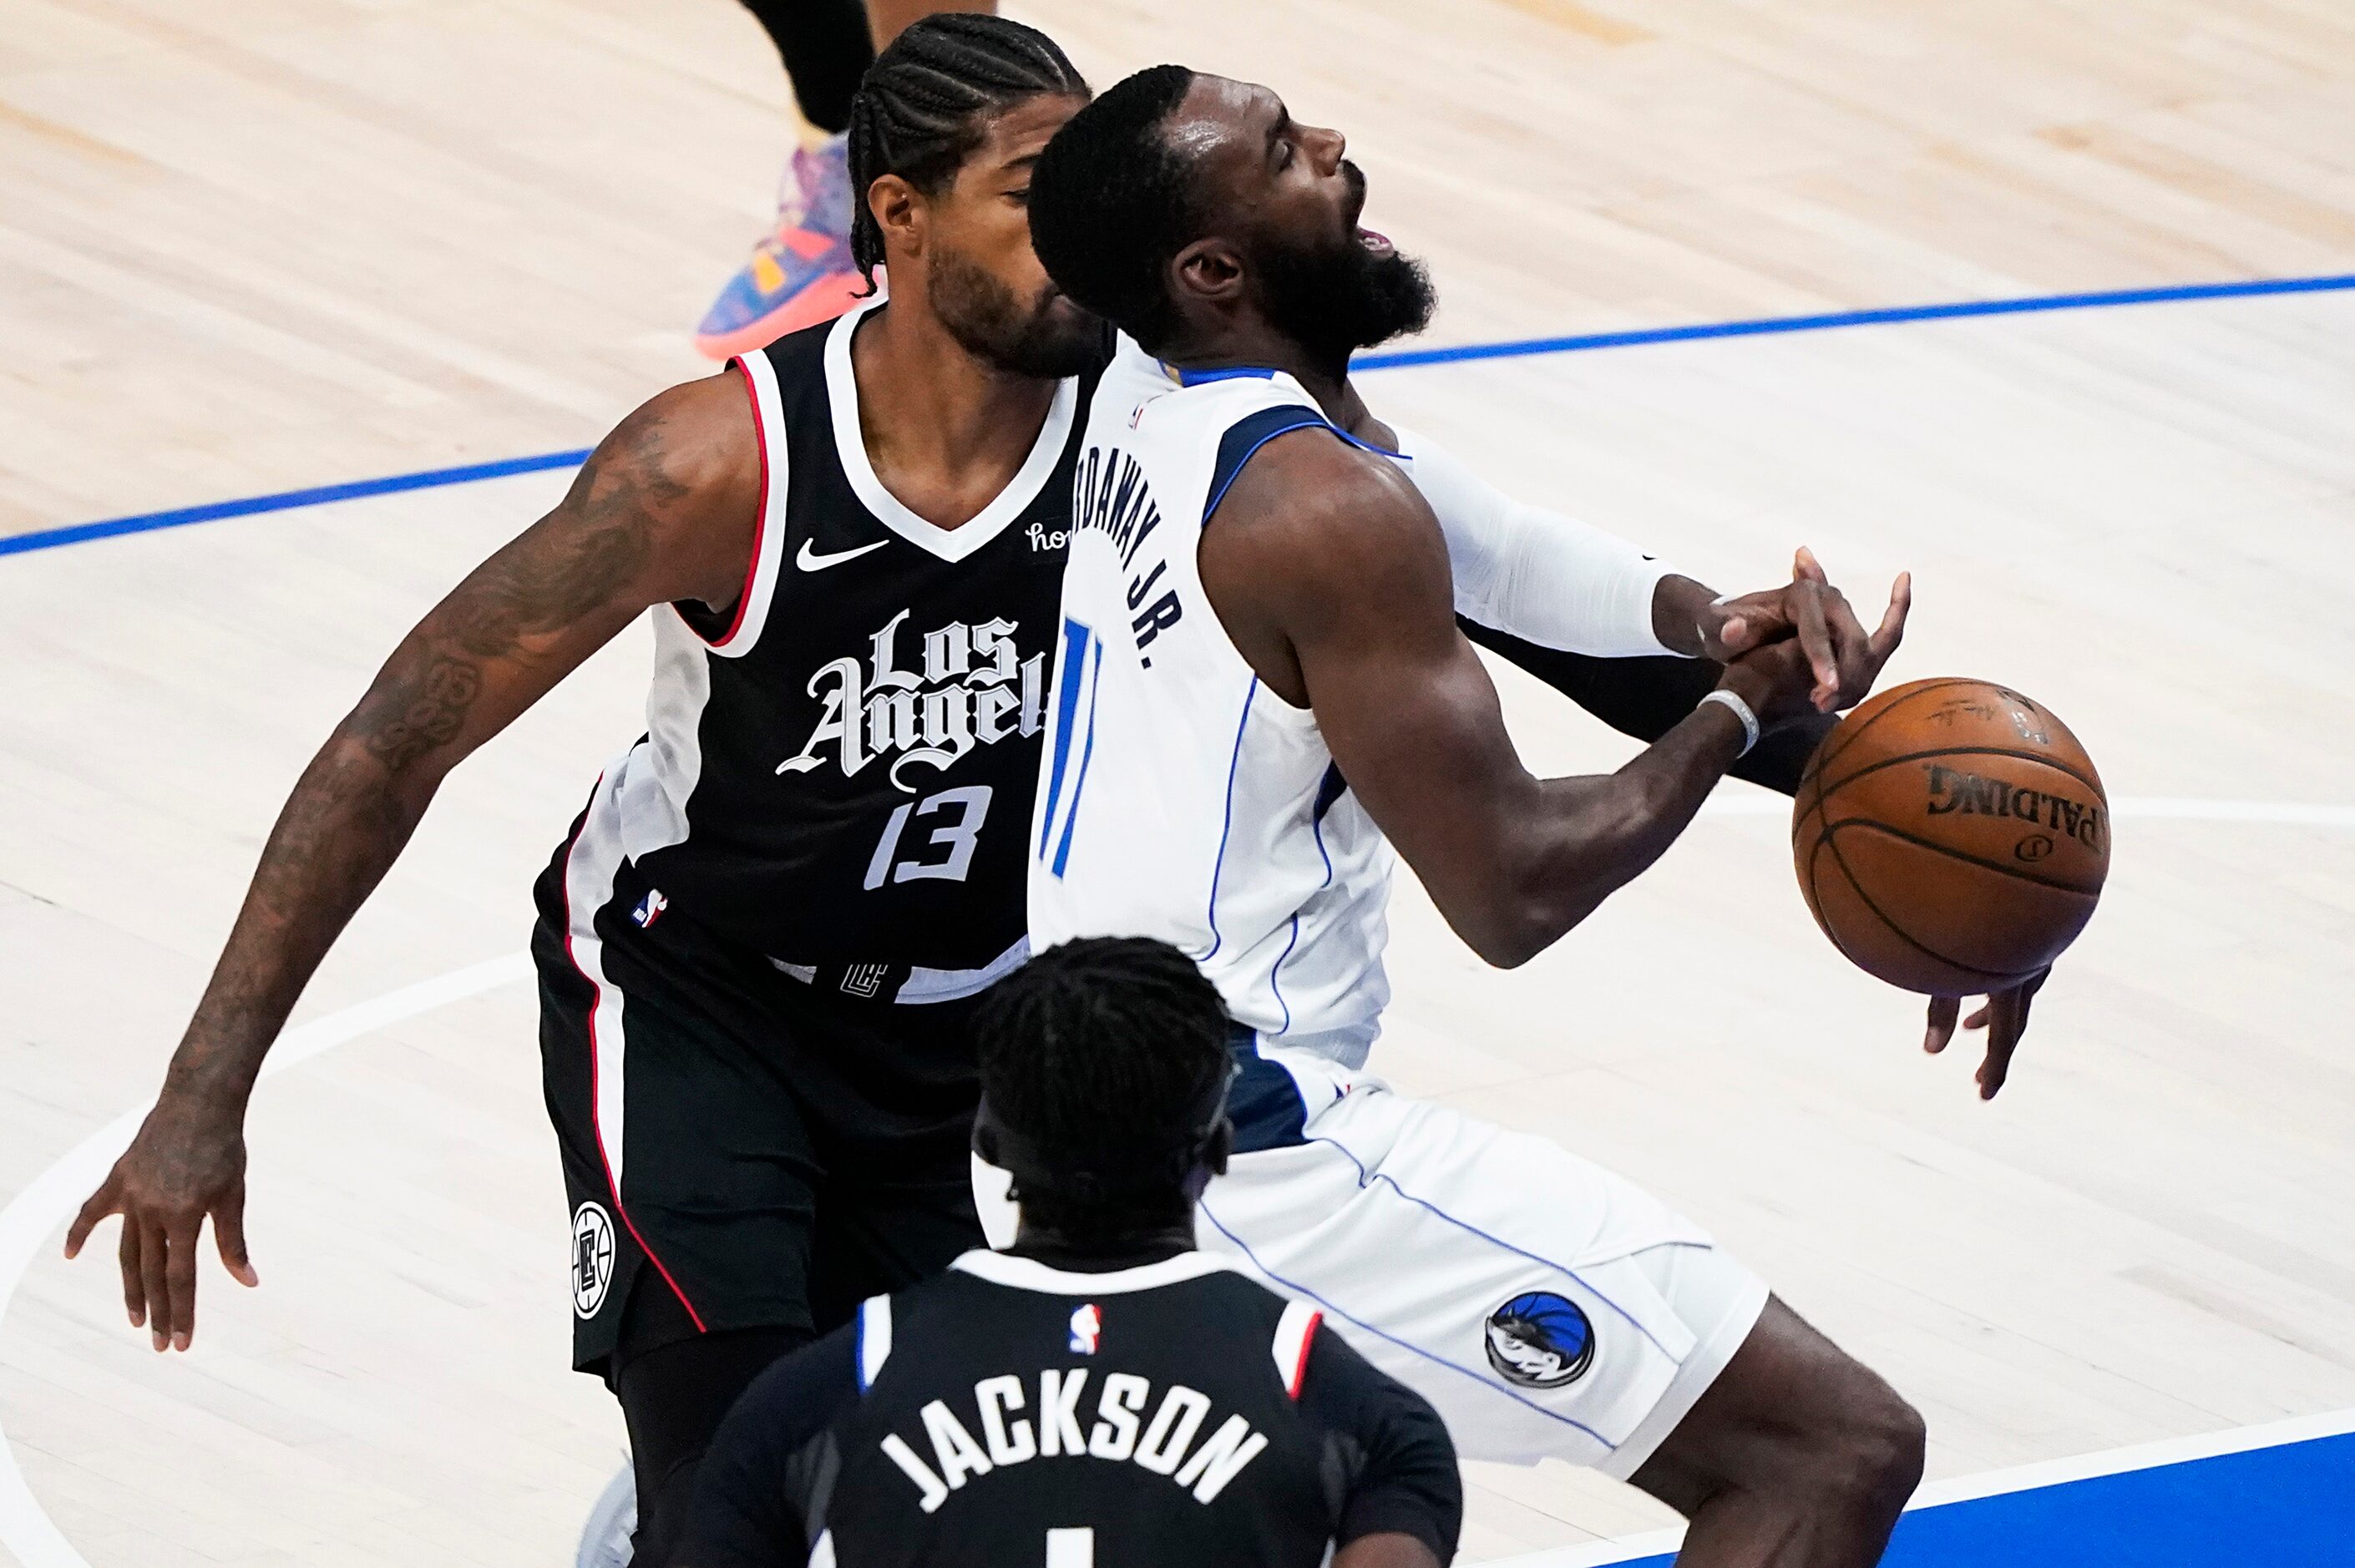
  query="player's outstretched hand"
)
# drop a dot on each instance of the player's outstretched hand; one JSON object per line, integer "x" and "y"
{"x": 188, "y": 1163}
{"x": 1844, "y": 658}
{"x": 2004, "y": 1015}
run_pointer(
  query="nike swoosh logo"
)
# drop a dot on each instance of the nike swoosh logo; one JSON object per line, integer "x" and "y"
{"x": 809, "y": 560}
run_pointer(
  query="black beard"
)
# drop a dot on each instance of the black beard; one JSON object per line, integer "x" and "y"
{"x": 1333, "y": 300}
{"x": 989, "y": 323}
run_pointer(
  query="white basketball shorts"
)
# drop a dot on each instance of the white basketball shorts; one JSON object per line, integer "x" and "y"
{"x": 1544, "y": 1306}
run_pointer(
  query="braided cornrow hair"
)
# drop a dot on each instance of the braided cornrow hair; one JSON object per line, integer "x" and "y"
{"x": 1100, "y": 1053}
{"x": 926, "y": 102}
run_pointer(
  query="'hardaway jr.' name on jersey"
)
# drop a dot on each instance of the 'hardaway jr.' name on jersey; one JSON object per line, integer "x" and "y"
{"x": 839, "y": 773}
{"x": 1180, "y": 798}
{"x": 1151, "y": 1410}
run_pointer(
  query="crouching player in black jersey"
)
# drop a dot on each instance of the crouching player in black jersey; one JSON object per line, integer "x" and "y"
{"x": 1101, "y": 1388}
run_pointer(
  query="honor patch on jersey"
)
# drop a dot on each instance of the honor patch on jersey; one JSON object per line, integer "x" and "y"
{"x": 592, "y": 1258}
{"x": 1087, "y": 1328}
{"x": 1541, "y": 1341}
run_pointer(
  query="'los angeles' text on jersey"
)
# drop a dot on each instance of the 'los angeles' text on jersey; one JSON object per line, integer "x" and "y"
{"x": 838, "y": 768}
{"x": 917, "y": 705}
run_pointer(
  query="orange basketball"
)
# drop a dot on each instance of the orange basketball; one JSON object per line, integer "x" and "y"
{"x": 1950, "y": 837}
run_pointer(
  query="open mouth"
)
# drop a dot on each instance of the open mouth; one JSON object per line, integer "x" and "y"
{"x": 1379, "y": 244}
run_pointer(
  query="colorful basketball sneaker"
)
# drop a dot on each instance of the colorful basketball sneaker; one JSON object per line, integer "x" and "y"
{"x": 800, "y": 275}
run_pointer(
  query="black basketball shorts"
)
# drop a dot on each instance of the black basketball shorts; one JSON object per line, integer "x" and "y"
{"x": 767, "y": 1150}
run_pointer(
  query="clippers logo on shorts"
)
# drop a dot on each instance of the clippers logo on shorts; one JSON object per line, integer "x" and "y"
{"x": 1087, "y": 1327}
{"x": 1541, "y": 1341}
{"x": 592, "y": 1258}
{"x": 971, "y": 688}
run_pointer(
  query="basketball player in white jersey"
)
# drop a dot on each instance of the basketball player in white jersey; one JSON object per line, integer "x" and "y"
{"x": 1260, "y": 687}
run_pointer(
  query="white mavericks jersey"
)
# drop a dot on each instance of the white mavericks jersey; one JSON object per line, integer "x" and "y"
{"x": 1178, "y": 797}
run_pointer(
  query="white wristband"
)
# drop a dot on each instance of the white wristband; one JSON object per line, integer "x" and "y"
{"x": 1739, "y": 709}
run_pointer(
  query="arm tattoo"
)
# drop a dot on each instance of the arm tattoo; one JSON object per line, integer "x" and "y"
{"x": 563, "y": 567}
{"x": 360, "y": 798}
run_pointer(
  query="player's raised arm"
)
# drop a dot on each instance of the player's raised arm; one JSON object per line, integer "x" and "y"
{"x": 1328, "y": 571}
{"x": 1539, "y": 578}
{"x": 664, "y": 510}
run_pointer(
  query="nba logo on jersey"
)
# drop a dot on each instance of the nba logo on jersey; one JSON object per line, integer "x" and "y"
{"x": 1087, "y": 1324}
{"x": 650, "y": 908}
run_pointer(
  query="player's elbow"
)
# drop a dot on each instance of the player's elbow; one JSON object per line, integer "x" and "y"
{"x": 1507, "y": 932}
{"x": 1539, "y": 899}
{"x": 1509, "y": 941}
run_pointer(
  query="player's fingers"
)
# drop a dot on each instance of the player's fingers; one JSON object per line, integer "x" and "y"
{"x": 1735, "y": 634}
{"x": 100, "y": 1204}
{"x": 1943, "y": 1010}
{"x": 1993, "y": 1070}
{"x": 2016, "y": 1025}
{"x": 2008, "y": 1022}
{"x": 134, "y": 1282}
{"x": 1815, "y": 639}
{"x": 229, "y": 1232}
{"x": 1884, "y": 641}
{"x": 1851, "y": 645}
{"x": 155, "y": 1251}
{"x": 1805, "y": 565}
{"x": 2001, "y": 1042}
{"x": 1979, "y": 1020}
{"x": 180, "y": 1281}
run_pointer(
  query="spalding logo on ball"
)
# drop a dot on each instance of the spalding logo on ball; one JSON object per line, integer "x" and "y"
{"x": 1951, "y": 836}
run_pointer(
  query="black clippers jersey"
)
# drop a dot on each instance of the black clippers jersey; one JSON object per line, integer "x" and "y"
{"x": 840, "y": 774}
{"x": 1008, "y": 1413}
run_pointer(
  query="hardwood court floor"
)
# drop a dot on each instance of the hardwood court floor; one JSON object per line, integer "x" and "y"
{"x": 273, "y": 243}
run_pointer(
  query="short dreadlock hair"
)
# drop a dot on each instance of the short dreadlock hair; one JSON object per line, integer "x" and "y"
{"x": 1112, "y": 204}
{"x": 1103, "y": 1054}
{"x": 927, "y": 102}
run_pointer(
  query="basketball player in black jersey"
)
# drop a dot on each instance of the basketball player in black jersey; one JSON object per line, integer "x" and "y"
{"x": 758, "y": 949}
{"x": 1101, "y": 1391}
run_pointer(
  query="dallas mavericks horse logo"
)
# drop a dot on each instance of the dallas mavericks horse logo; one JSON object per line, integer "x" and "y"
{"x": 1541, "y": 1341}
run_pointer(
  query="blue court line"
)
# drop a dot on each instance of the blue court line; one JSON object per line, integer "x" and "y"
{"x": 1769, "y": 325}
{"x": 2292, "y": 1506}
{"x": 1518, "y": 348}
{"x": 318, "y": 495}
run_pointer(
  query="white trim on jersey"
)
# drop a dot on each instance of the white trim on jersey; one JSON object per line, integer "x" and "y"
{"x": 874, "y": 1339}
{"x": 1029, "y": 1273}
{"x": 768, "y": 533}
{"x": 589, "y": 869}
{"x": 924, "y": 985}
{"x": 1295, "y": 1332}
{"x": 821, "y": 1555}
{"x": 657, "y": 777}
{"x": 590, "y": 866}
{"x": 948, "y": 544}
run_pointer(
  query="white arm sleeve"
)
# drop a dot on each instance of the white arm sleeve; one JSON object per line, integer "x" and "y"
{"x": 1533, "y": 573}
